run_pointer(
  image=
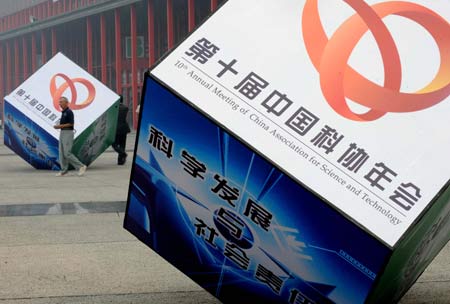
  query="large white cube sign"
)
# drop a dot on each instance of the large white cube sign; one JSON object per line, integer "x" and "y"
{"x": 32, "y": 109}
{"x": 297, "y": 151}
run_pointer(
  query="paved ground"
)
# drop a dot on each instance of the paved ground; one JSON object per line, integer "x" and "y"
{"x": 71, "y": 248}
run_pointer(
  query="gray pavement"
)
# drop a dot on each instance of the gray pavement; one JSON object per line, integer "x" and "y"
{"x": 71, "y": 248}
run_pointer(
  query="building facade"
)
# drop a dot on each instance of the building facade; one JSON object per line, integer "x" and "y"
{"x": 8, "y": 7}
{"x": 114, "y": 40}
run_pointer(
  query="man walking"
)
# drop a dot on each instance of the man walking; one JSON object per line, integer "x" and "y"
{"x": 122, "y": 130}
{"x": 66, "y": 156}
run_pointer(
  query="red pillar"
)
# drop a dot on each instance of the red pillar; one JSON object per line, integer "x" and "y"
{"x": 16, "y": 63}
{"x": 25, "y": 57}
{"x": 89, "y": 44}
{"x": 2, "y": 89}
{"x": 151, "y": 33}
{"x": 103, "y": 46}
{"x": 8, "y": 68}
{"x": 33, "y": 52}
{"x": 33, "y": 11}
{"x": 213, "y": 5}
{"x": 191, "y": 15}
{"x": 2, "y": 72}
{"x": 54, "y": 48}
{"x": 134, "y": 83}
{"x": 169, "y": 24}
{"x": 118, "y": 41}
{"x": 45, "y": 10}
{"x": 41, "y": 10}
{"x": 43, "y": 48}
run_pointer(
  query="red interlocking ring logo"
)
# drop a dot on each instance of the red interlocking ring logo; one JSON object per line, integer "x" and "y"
{"x": 338, "y": 80}
{"x": 57, "y": 92}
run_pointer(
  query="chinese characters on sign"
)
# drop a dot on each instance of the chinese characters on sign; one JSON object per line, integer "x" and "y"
{"x": 36, "y": 106}
{"x": 229, "y": 227}
{"x": 353, "y": 158}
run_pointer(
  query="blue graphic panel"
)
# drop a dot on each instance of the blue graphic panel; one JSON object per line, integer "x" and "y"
{"x": 232, "y": 221}
{"x": 29, "y": 141}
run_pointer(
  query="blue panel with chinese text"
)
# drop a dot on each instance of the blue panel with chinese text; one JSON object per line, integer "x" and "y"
{"x": 29, "y": 140}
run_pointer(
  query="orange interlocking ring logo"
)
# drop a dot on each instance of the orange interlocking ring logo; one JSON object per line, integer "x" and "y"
{"x": 338, "y": 80}
{"x": 57, "y": 92}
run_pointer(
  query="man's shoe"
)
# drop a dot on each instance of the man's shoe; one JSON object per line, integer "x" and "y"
{"x": 61, "y": 173}
{"x": 82, "y": 170}
{"x": 122, "y": 159}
